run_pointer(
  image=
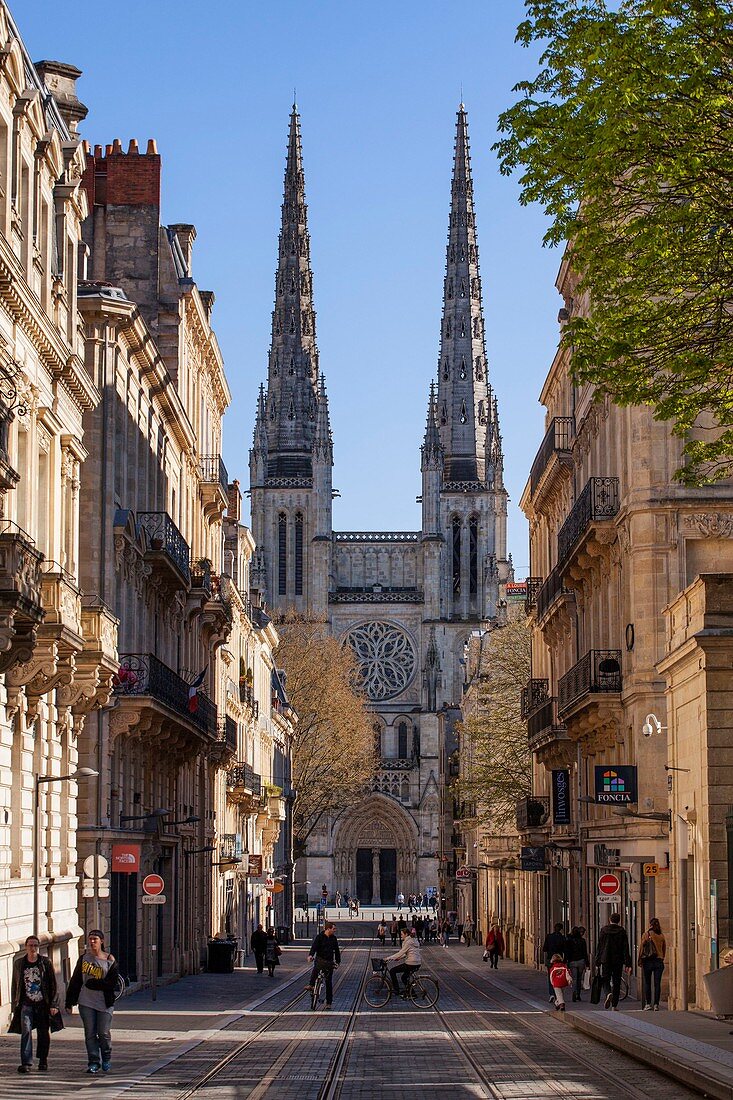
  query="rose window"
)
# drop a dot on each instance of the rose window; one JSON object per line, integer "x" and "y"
{"x": 385, "y": 656}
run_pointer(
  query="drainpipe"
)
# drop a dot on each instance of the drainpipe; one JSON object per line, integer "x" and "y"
{"x": 682, "y": 911}
{"x": 729, "y": 838}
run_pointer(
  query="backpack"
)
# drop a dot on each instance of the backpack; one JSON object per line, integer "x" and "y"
{"x": 649, "y": 948}
{"x": 560, "y": 976}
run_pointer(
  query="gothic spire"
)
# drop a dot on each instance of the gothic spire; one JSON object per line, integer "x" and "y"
{"x": 463, "y": 390}
{"x": 323, "y": 441}
{"x": 292, "y": 380}
{"x": 432, "y": 450}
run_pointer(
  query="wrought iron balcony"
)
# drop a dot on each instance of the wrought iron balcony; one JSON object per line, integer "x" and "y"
{"x": 247, "y": 696}
{"x": 201, "y": 575}
{"x": 550, "y": 591}
{"x": 228, "y": 733}
{"x": 534, "y": 584}
{"x": 558, "y": 440}
{"x": 244, "y": 778}
{"x": 230, "y": 847}
{"x": 542, "y": 718}
{"x": 598, "y": 672}
{"x": 599, "y": 501}
{"x": 532, "y": 812}
{"x": 166, "y": 544}
{"x": 144, "y": 674}
{"x": 214, "y": 472}
{"x": 534, "y": 694}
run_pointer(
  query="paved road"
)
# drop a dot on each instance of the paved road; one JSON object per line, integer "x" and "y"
{"x": 484, "y": 1040}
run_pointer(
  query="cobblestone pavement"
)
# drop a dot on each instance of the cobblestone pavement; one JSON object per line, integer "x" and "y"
{"x": 223, "y": 1037}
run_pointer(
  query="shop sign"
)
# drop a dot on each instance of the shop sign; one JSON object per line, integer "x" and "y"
{"x": 126, "y": 858}
{"x": 534, "y": 858}
{"x": 616, "y": 783}
{"x": 606, "y": 857}
{"x": 560, "y": 796}
{"x": 254, "y": 866}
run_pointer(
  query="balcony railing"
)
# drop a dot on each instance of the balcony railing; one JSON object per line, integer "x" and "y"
{"x": 231, "y": 847}
{"x": 201, "y": 575}
{"x": 228, "y": 732}
{"x": 598, "y": 672}
{"x": 244, "y": 775}
{"x": 532, "y": 812}
{"x": 213, "y": 471}
{"x": 247, "y": 696}
{"x": 598, "y": 501}
{"x": 163, "y": 534}
{"x": 144, "y": 674}
{"x": 533, "y": 695}
{"x": 550, "y": 591}
{"x": 542, "y": 719}
{"x": 559, "y": 437}
{"x": 534, "y": 584}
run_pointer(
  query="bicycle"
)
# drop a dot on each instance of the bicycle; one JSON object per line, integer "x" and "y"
{"x": 421, "y": 989}
{"x": 318, "y": 993}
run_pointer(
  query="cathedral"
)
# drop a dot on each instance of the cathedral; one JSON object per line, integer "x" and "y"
{"x": 406, "y": 601}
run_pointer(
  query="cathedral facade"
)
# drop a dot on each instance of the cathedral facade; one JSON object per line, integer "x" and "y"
{"x": 406, "y": 601}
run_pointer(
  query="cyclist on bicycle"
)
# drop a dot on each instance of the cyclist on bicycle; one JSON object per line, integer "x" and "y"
{"x": 408, "y": 957}
{"x": 325, "y": 956}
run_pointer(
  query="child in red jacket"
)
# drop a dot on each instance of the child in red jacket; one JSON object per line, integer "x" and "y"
{"x": 560, "y": 980}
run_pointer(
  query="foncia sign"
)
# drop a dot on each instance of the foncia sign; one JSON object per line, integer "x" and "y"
{"x": 616, "y": 783}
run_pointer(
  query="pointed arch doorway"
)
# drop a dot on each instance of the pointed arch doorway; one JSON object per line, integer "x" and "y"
{"x": 375, "y": 852}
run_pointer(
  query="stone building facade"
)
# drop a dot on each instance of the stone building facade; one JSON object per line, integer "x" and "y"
{"x": 405, "y": 600}
{"x": 613, "y": 540}
{"x": 57, "y": 639}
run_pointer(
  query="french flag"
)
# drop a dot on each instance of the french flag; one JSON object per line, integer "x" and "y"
{"x": 193, "y": 692}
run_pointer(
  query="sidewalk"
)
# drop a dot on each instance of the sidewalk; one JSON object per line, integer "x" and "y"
{"x": 690, "y": 1047}
{"x": 147, "y": 1034}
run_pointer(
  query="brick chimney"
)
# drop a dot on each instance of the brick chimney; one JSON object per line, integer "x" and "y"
{"x": 234, "y": 507}
{"x": 60, "y": 79}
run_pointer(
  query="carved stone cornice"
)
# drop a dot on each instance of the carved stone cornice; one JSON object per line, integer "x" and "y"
{"x": 709, "y": 525}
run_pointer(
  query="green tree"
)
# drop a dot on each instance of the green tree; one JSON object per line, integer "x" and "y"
{"x": 333, "y": 749}
{"x": 496, "y": 764}
{"x": 625, "y": 137}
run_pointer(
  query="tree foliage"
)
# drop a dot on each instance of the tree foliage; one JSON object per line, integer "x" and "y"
{"x": 333, "y": 746}
{"x": 496, "y": 764}
{"x": 625, "y": 137}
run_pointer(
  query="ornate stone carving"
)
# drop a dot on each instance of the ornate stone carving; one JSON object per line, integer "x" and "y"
{"x": 711, "y": 525}
{"x": 386, "y": 658}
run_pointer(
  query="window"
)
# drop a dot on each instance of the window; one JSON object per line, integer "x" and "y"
{"x": 402, "y": 740}
{"x": 456, "y": 541}
{"x": 299, "y": 554}
{"x": 282, "y": 554}
{"x": 473, "y": 555}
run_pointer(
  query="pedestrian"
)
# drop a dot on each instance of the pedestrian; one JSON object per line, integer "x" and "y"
{"x": 258, "y": 943}
{"x": 652, "y": 953}
{"x": 273, "y": 951}
{"x": 445, "y": 930}
{"x": 425, "y": 901}
{"x": 381, "y": 932}
{"x": 419, "y": 929}
{"x": 554, "y": 945}
{"x": 400, "y": 901}
{"x": 468, "y": 931}
{"x": 338, "y": 899}
{"x": 394, "y": 930}
{"x": 92, "y": 988}
{"x": 612, "y": 955}
{"x": 576, "y": 956}
{"x": 347, "y": 900}
{"x": 401, "y": 923}
{"x": 560, "y": 979}
{"x": 434, "y": 902}
{"x": 356, "y": 907}
{"x": 34, "y": 1004}
{"x": 433, "y": 931}
{"x": 459, "y": 933}
{"x": 494, "y": 946}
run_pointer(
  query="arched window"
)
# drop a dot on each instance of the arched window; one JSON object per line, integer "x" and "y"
{"x": 282, "y": 554}
{"x": 473, "y": 555}
{"x": 402, "y": 740}
{"x": 456, "y": 543}
{"x": 298, "y": 553}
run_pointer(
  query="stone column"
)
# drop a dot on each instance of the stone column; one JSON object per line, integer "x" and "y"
{"x": 376, "y": 881}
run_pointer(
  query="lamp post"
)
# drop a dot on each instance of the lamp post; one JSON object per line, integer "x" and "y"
{"x": 80, "y": 773}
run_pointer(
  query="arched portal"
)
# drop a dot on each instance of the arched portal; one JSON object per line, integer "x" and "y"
{"x": 375, "y": 852}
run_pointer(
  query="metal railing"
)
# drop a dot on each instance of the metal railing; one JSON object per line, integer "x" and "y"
{"x": 228, "y": 732}
{"x": 201, "y": 575}
{"x": 534, "y": 584}
{"x": 598, "y": 501}
{"x": 163, "y": 534}
{"x": 532, "y": 812}
{"x": 145, "y": 674}
{"x": 543, "y": 718}
{"x": 558, "y": 437}
{"x": 244, "y": 775}
{"x": 598, "y": 672}
{"x": 230, "y": 846}
{"x": 213, "y": 471}
{"x": 533, "y": 695}
{"x": 550, "y": 591}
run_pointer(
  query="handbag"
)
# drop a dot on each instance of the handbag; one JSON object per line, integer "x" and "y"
{"x": 55, "y": 1022}
{"x": 586, "y": 978}
{"x": 486, "y": 956}
{"x": 596, "y": 989}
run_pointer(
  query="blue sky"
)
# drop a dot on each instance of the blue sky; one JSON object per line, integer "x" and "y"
{"x": 377, "y": 85}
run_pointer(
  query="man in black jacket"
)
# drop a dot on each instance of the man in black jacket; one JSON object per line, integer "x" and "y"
{"x": 325, "y": 956}
{"x": 33, "y": 999}
{"x": 612, "y": 955}
{"x": 258, "y": 943}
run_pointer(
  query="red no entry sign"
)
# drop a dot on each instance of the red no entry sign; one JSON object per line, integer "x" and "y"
{"x": 609, "y": 884}
{"x": 153, "y": 884}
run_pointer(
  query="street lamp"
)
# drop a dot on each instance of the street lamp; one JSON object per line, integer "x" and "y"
{"x": 80, "y": 773}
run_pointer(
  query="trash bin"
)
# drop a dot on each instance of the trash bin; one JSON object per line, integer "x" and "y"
{"x": 282, "y": 934}
{"x": 220, "y": 956}
{"x": 719, "y": 986}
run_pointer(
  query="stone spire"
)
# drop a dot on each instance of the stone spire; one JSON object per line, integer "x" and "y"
{"x": 432, "y": 449}
{"x": 323, "y": 441}
{"x": 463, "y": 402}
{"x": 292, "y": 380}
